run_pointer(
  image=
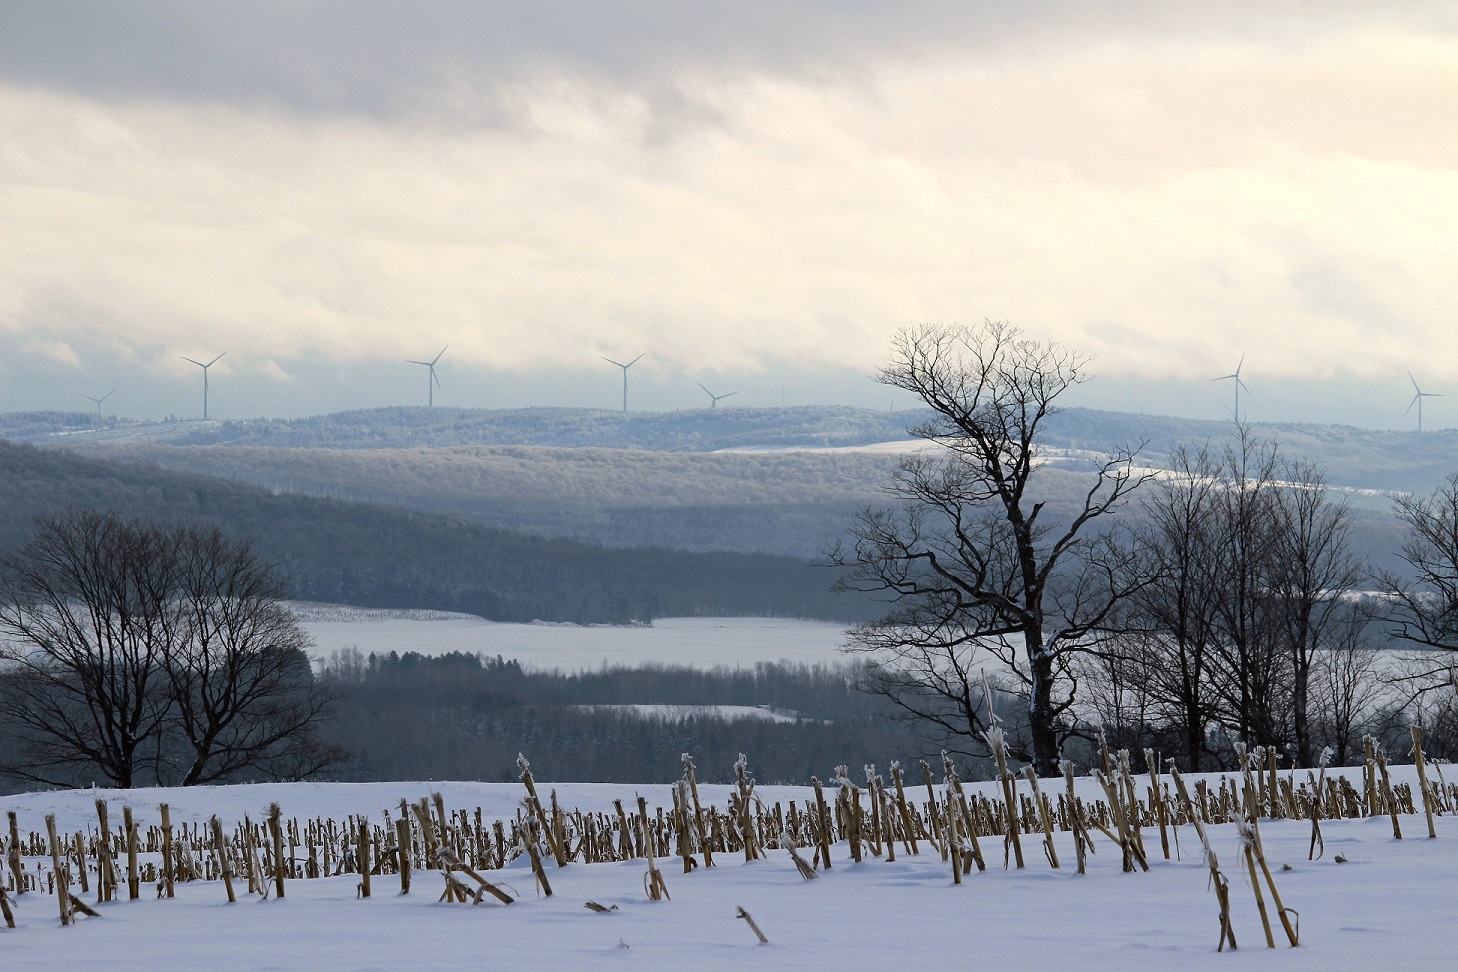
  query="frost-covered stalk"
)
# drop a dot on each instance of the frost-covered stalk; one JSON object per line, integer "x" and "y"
{"x": 275, "y": 830}
{"x": 1012, "y": 831}
{"x": 63, "y": 890}
{"x": 652, "y": 881}
{"x": 1075, "y": 816}
{"x": 168, "y": 867}
{"x": 1318, "y": 783}
{"x": 529, "y": 840}
{"x": 535, "y": 806}
{"x": 1218, "y": 881}
{"x": 1121, "y": 821}
{"x": 105, "y": 866}
{"x": 909, "y": 839}
{"x": 225, "y": 868}
{"x": 1048, "y": 849}
{"x": 693, "y": 783}
{"x": 849, "y": 799}
{"x": 1131, "y": 797}
{"x": 957, "y": 806}
{"x": 825, "y": 823}
{"x": 13, "y": 854}
{"x": 873, "y": 791}
{"x": 1387, "y": 794}
{"x": 1417, "y": 752}
{"x": 1247, "y": 844}
{"x": 1443, "y": 787}
{"x": 746, "y": 814}
{"x": 1156, "y": 799}
{"x": 933, "y": 813}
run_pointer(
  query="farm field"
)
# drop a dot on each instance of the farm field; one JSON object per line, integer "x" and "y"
{"x": 1388, "y": 901}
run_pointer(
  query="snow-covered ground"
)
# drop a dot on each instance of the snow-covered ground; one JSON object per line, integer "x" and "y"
{"x": 1388, "y": 904}
{"x": 700, "y": 642}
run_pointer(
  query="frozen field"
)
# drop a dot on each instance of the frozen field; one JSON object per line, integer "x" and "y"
{"x": 1390, "y": 903}
{"x": 701, "y": 642}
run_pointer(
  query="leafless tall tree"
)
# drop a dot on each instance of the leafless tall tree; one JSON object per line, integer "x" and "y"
{"x": 970, "y": 559}
{"x": 149, "y": 653}
{"x": 239, "y": 673}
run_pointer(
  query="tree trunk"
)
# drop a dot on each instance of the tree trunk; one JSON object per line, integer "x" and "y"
{"x": 1040, "y": 705}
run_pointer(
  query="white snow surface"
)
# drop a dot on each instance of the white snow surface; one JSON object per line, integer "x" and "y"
{"x": 1389, "y": 903}
{"x": 699, "y": 642}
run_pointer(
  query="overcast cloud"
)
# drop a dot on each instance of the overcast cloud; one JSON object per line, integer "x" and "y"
{"x": 758, "y": 193}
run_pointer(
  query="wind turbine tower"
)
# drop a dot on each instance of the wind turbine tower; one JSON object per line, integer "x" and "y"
{"x": 714, "y": 399}
{"x": 1238, "y": 384}
{"x": 205, "y": 368}
{"x": 1418, "y": 399}
{"x": 431, "y": 381}
{"x": 98, "y": 401}
{"x": 625, "y": 368}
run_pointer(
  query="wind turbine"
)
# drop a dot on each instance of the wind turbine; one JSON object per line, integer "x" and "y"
{"x": 98, "y": 401}
{"x": 205, "y": 368}
{"x": 1238, "y": 384}
{"x": 1418, "y": 399}
{"x": 714, "y": 403}
{"x": 431, "y": 381}
{"x": 625, "y": 368}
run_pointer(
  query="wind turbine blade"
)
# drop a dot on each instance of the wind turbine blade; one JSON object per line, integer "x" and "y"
{"x": 729, "y": 395}
{"x": 706, "y": 391}
{"x": 1415, "y": 399}
{"x": 1243, "y": 385}
{"x": 186, "y": 358}
{"x": 215, "y": 360}
{"x": 434, "y": 377}
{"x": 413, "y": 361}
{"x": 618, "y": 363}
{"x": 634, "y": 361}
{"x": 1240, "y": 364}
{"x": 437, "y": 357}
{"x": 1226, "y": 378}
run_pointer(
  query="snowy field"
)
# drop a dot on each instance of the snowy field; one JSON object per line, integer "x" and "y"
{"x": 700, "y": 642}
{"x": 1390, "y": 902}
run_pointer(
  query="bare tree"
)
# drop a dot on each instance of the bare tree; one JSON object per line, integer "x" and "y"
{"x": 1250, "y": 672}
{"x": 971, "y": 561}
{"x": 1312, "y": 577}
{"x": 1424, "y": 605}
{"x": 127, "y": 647}
{"x": 239, "y": 671}
{"x": 83, "y": 607}
{"x": 1177, "y": 612}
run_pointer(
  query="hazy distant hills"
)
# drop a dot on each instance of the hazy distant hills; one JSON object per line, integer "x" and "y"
{"x": 700, "y": 430}
{"x": 775, "y": 481}
{"x": 1361, "y": 458}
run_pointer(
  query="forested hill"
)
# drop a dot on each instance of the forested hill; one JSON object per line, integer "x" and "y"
{"x": 358, "y": 553}
{"x": 695, "y": 430}
{"x": 1362, "y": 458}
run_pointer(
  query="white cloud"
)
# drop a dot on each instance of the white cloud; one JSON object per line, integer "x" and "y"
{"x": 1159, "y": 201}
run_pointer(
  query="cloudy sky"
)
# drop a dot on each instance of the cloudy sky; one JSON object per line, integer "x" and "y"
{"x": 756, "y": 194}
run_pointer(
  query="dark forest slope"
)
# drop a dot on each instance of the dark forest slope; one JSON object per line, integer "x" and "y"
{"x": 357, "y": 553}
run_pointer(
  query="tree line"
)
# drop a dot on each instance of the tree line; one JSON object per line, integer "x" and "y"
{"x": 465, "y": 716}
{"x": 1218, "y": 601}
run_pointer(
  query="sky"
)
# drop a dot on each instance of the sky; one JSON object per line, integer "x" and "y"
{"x": 756, "y": 195}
